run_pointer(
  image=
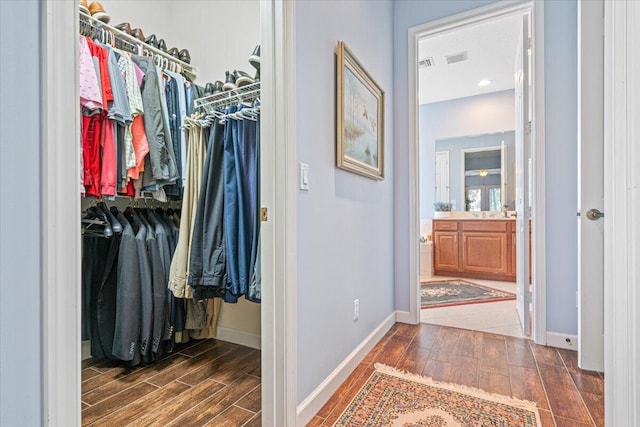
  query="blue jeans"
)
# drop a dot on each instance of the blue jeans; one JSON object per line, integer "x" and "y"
{"x": 241, "y": 167}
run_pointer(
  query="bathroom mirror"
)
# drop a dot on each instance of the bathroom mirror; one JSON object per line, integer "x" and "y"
{"x": 476, "y": 173}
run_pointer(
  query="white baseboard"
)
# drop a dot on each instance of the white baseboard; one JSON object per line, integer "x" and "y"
{"x": 404, "y": 317}
{"x": 566, "y": 341}
{"x": 318, "y": 397}
{"x": 86, "y": 349}
{"x": 238, "y": 337}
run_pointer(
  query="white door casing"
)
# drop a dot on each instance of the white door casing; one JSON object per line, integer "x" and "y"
{"x": 523, "y": 144}
{"x": 622, "y": 204}
{"x": 590, "y": 185}
{"x": 489, "y": 12}
{"x": 60, "y": 220}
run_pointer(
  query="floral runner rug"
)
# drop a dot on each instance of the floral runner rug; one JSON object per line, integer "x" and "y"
{"x": 397, "y": 399}
{"x": 445, "y": 293}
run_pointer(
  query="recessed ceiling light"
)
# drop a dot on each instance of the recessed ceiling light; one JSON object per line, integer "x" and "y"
{"x": 484, "y": 82}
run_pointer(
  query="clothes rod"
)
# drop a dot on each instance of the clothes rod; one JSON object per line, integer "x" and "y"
{"x": 189, "y": 69}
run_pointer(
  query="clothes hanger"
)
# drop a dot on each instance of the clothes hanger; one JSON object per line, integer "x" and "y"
{"x": 94, "y": 213}
{"x": 115, "y": 224}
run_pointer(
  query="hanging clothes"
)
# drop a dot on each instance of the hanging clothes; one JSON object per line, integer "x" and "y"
{"x": 195, "y": 158}
{"x": 241, "y": 222}
{"x": 207, "y": 261}
{"x": 161, "y": 161}
{"x": 127, "y": 310}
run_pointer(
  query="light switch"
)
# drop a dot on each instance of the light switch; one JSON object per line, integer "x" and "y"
{"x": 304, "y": 176}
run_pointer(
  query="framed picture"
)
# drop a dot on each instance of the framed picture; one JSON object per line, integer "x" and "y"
{"x": 360, "y": 121}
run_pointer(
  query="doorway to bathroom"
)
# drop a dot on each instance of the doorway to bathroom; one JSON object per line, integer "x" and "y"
{"x": 476, "y": 179}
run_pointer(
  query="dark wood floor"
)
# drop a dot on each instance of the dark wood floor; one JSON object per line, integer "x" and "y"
{"x": 566, "y": 396}
{"x": 205, "y": 383}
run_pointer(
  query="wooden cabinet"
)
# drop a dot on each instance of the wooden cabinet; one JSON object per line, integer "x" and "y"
{"x": 483, "y": 249}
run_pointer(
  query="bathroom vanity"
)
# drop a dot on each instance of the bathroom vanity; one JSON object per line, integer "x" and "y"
{"x": 475, "y": 248}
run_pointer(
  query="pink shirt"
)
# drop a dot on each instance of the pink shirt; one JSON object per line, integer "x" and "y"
{"x": 90, "y": 91}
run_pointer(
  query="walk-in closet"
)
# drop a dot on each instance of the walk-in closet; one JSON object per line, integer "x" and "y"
{"x": 171, "y": 212}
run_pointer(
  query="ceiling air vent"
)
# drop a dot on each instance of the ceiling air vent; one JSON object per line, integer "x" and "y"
{"x": 457, "y": 57}
{"x": 426, "y": 63}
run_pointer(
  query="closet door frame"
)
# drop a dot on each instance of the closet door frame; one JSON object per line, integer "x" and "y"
{"x": 60, "y": 219}
{"x": 279, "y": 195}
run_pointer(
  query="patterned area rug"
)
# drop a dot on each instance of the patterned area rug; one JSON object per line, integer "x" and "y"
{"x": 397, "y": 399}
{"x": 444, "y": 293}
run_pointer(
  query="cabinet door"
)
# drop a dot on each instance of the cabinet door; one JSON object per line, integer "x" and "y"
{"x": 484, "y": 252}
{"x": 446, "y": 250}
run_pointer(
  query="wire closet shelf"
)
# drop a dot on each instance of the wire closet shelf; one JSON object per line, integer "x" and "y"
{"x": 92, "y": 27}
{"x": 212, "y": 104}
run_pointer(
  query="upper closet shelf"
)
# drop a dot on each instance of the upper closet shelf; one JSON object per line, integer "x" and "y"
{"x": 220, "y": 100}
{"x": 91, "y": 27}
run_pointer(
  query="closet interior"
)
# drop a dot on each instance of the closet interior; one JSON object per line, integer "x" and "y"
{"x": 170, "y": 197}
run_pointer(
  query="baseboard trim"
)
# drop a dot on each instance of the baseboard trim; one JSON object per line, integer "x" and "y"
{"x": 86, "y": 350}
{"x": 404, "y": 317}
{"x": 318, "y": 397}
{"x": 559, "y": 340}
{"x": 238, "y": 337}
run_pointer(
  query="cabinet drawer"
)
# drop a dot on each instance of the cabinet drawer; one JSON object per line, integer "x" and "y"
{"x": 490, "y": 225}
{"x": 445, "y": 225}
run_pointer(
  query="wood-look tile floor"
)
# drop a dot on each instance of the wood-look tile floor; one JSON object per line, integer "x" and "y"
{"x": 203, "y": 383}
{"x": 565, "y": 395}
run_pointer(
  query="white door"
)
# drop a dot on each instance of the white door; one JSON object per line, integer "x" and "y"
{"x": 503, "y": 175}
{"x": 442, "y": 176}
{"x": 523, "y": 152}
{"x": 590, "y": 186}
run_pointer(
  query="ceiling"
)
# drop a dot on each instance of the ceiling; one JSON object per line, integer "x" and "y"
{"x": 491, "y": 51}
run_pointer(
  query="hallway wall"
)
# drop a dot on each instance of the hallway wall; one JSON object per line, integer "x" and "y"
{"x": 21, "y": 362}
{"x": 345, "y": 221}
{"x": 560, "y": 156}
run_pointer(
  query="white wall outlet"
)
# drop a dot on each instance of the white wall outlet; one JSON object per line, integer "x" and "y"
{"x": 304, "y": 176}
{"x": 356, "y": 309}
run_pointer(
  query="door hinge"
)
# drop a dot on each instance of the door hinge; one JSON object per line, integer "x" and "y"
{"x": 263, "y": 214}
{"x": 527, "y": 128}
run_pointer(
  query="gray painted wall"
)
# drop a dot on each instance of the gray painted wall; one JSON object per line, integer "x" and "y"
{"x": 20, "y": 293}
{"x": 473, "y": 115}
{"x": 345, "y": 221}
{"x": 560, "y": 157}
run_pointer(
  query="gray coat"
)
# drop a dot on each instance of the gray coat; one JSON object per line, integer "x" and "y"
{"x": 160, "y": 258}
{"x": 145, "y": 283}
{"x": 128, "y": 300}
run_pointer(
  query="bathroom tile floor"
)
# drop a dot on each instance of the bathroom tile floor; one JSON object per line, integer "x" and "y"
{"x": 494, "y": 317}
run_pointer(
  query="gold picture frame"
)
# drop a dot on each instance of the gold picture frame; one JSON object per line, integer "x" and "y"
{"x": 360, "y": 118}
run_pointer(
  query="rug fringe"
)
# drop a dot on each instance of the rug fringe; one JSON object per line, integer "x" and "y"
{"x": 475, "y": 392}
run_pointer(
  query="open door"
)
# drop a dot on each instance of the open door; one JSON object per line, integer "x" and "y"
{"x": 591, "y": 185}
{"x": 442, "y": 176}
{"x": 504, "y": 174}
{"x": 522, "y": 172}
